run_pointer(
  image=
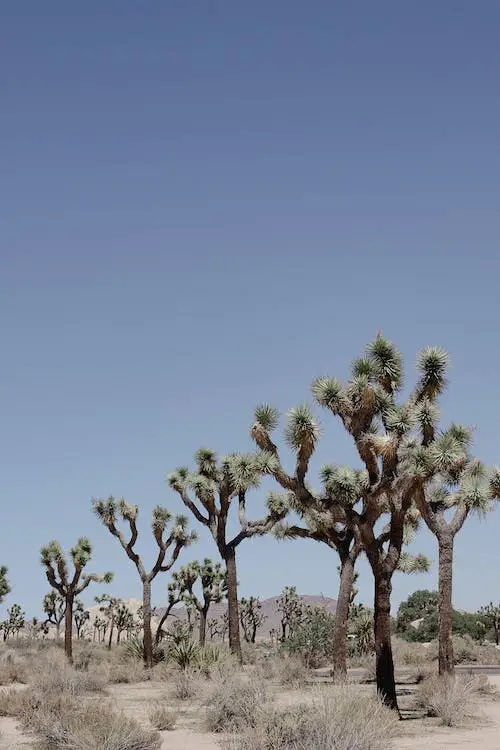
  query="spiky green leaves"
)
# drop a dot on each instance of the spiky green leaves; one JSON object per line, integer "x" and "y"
{"x": 343, "y": 485}
{"x": 82, "y": 552}
{"x": 302, "y": 430}
{"x": 128, "y": 512}
{"x": 494, "y": 483}
{"x": 105, "y": 510}
{"x": 387, "y": 363}
{"x": 413, "y": 563}
{"x": 267, "y": 417}
{"x": 400, "y": 419}
{"x": 4, "y": 583}
{"x": 243, "y": 471}
{"x": 446, "y": 453}
{"x": 278, "y": 504}
{"x": 432, "y": 362}
{"x": 329, "y": 392}
{"x": 51, "y": 553}
{"x": 206, "y": 462}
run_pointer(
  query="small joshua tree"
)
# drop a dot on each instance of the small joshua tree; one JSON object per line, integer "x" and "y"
{"x": 291, "y": 608}
{"x": 54, "y": 606}
{"x": 81, "y": 617}
{"x": 4, "y": 583}
{"x": 69, "y": 587}
{"x": 491, "y": 618}
{"x": 212, "y": 580}
{"x": 108, "y": 608}
{"x": 215, "y": 485}
{"x": 14, "y": 622}
{"x": 177, "y": 538}
{"x": 251, "y": 617}
{"x": 462, "y": 488}
{"x": 124, "y": 620}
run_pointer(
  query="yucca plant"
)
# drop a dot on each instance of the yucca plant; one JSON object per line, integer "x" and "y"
{"x": 134, "y": 648}
{"x": 185, "y": 655}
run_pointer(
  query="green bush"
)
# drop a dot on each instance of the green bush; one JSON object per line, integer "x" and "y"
{"x": 312, "y": 640}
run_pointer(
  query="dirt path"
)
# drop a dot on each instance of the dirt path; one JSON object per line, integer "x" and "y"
{"x": 11, "y": 738}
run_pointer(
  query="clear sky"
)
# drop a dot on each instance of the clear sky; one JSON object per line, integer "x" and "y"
{"x": 204, "y": 205}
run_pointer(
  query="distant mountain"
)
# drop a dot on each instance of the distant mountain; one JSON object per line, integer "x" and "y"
{"x": 269, "y": 609}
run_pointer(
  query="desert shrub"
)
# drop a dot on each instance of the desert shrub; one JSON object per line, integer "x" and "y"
{"x": 448, "y": 698}
{"x": 234, "y": 704}
{"x": 133, "y": 649}
{"x": 285, "y": 669}
{"x": 93, "y": 725}
{"x": 162, "y": 717}
{"x": 185, "y": 685}
{"x": 410, "y": 654}
{"x": 126, "y": 672}
{"x": 12, "y": 669}
{"x": 9, "y": 702}
{"x": 312, "y": 640}
{"x": 343, "y": 719}
{"x": 60, "y": 677}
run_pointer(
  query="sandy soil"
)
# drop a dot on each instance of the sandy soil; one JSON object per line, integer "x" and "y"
{"x": 136, "y": 700}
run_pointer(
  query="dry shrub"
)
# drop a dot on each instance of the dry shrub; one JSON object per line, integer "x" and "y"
{"x": 185, "y": 685}
{"x": 410, "y": 654}
{"x": 338, "y": 719}
{"x": 234, "y": 704}
{"x": 448, "y": 698}
{"x": 94, "y": 725}
{"x": 53, "y": 674}
{"x": 126, "y": 672}
{"x": 285, "y": 669}
{"x": 10, "y": 701}
{"x": 162, "y": 717}
{"x": 12, "y": 669}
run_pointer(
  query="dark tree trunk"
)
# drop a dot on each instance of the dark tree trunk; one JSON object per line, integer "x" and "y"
{"x": 203, "y": 625}
{"x": 58, "y": 630}
{"x": 496, "y": 635}
{"x": 339, "y": 671}
{"x": 232, "y": 604}
{"x": 254, "y": 634}
{"x": 386, "y": 683}
{"x": 146, "y": 625}
{"x": 68, "y": 627}
{"x": 446, "y": 665}
{"x": 118, "y": 635}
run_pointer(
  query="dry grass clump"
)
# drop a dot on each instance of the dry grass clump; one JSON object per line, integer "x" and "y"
{"x": 93, "y": 725}
{"x": 338, "y": 719}
{"x": 411, "y": 654}
{"x": 126, "y": 672}
{"x": 186, "y": 685}
{"x": 162, "y": 717}
{"x": 234, "y": 704}
{"x": 284, "y": 669}
{"x": 12, "y": 669}
{"x": 448, "y": 698}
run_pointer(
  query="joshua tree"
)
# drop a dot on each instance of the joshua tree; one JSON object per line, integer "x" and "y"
{"x": 4, "y": 583}
{"x": 178, "y": 537}
{"x": 108, "y": 608}
{"x": 124, "y": 620}
{"x": 463, "y": 487}
{"x": 213, "y": 627}
{"x": 291, "y": 607}
{"x": 176, "y": 592}
{"x": 251, "y": 617}
{"x": 14, "y": 622}
{"x": 69, "y": 587}
{"x": 81, "y": 616}
{"x": 215, "y": 486}
{"x": 401, "y": 452}
{"x": 491, "y": 617}
{"x": 54, "y": 606}
{"x": 213, "y": 585}
{"x": 100, "y": 627}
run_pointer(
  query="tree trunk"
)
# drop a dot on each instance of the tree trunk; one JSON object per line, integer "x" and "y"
{"x": 203, "y": 626}
{"x": 339, "y": 671}
{"x": 58, "y": 630}
{"x": 111, "y": 630}
{"x": 446, "y": 665}
{"x": 68, "y": 627}
{"x": 496, "y": 635}
{"x": 118, "y": 634}
{"x": 146, "y": 625}
{"x": 386, "y": 684}
{"x": 254, "y": 634}
{"x": 232, "y": 604}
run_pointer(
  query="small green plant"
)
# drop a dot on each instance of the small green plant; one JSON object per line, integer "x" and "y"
{"x": 134, "y": 649}
{"x": 185, "y": 655}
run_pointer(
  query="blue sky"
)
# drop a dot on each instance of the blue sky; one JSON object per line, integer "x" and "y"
{"x": 204, "y": 205}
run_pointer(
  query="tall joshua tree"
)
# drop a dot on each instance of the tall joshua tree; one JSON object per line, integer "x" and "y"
{"x": 251, "y": 617}
{"x": 54, "y": 606}
{"x": 215, "y": 485}
{"x": 461, "y": 489}
{"x": 168, "y": 539}
{"x": 399, "y": 454}
{"x": 70, "y": 586}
